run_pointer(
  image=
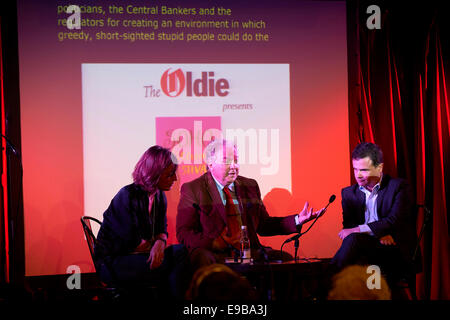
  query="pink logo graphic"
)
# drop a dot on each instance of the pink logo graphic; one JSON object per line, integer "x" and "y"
{"x": 187, "y": 138}
{"x": 172, "y": 84}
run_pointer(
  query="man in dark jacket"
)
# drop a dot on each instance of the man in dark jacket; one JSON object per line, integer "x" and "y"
{"x": 378, "y": 217}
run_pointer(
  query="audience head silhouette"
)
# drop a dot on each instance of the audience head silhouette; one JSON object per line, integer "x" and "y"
{"x": 352, "y": 284}
{"x": 217, "y": 282}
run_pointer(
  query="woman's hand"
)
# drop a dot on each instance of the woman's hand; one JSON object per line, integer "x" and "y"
{"x": 156, "y": 256}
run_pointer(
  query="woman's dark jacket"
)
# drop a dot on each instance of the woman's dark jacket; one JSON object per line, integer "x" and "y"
{"x": 127, "y": 221}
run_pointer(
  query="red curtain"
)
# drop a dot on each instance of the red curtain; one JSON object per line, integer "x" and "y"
{"x": 400, "y": 83}
{"x": 4, "y": 241}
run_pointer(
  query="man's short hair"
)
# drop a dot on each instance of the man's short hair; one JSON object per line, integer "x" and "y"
{"x": 214, "y": 146}
{"x": 368, "y": 149}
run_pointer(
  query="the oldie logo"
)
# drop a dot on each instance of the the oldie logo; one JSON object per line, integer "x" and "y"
{"x": 175, "y": 82}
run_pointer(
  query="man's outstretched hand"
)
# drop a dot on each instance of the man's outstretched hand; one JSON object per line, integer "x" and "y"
{"x": 308, "y": 214}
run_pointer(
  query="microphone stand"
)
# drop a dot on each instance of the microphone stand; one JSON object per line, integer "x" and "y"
{"x": 296, "y": 245}
{"x": 297, "y": 236}
{"x": 296, "y": 239}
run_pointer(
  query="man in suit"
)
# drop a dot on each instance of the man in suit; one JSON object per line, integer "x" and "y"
{"x": 378, "y": 217}
{"x": 213, "y": 208}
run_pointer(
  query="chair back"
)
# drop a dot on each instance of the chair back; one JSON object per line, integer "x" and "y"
{"x": 90, "y": 237}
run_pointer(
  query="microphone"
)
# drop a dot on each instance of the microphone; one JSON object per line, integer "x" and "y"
{"x": 331, "y": 200}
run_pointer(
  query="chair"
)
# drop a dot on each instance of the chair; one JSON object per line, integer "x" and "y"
{"x": 112, "y": 292}
{"x": 91, "y": 241}
{"x": 90, "y": 237}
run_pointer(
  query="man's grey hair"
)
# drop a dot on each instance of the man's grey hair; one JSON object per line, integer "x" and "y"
{"x": 216, "y": 146}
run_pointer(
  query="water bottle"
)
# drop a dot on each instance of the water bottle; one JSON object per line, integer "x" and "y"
{"x": 245, "y": 246}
